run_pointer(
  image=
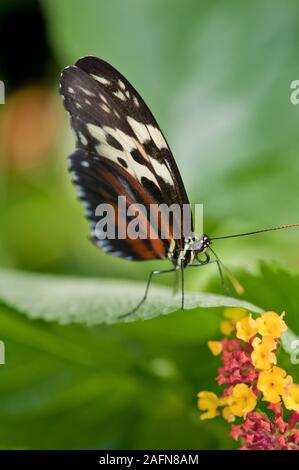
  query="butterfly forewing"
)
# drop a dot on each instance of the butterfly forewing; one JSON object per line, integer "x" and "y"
{"x": 143, "y": 125}
{"x": 101, "y": 181}
{"x": 120, "y": 152}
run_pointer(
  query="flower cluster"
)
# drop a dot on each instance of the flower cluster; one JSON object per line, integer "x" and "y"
{"x": 260, "y": 432}
{"x": 250, "y": 376}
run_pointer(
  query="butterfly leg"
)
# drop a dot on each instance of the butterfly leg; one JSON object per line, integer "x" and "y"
{"x": 200, "y": 263}
{"x": 222, "y": 280}
{"x": 208, "y": 261}
{"x": 152, "y": 274}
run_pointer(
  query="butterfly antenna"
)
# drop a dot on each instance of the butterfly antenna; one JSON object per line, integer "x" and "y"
{"x": 234, "y": 282}
{"x": 282, "y": 227}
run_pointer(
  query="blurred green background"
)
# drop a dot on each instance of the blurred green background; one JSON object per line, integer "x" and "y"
{"x": 217, "y": 76}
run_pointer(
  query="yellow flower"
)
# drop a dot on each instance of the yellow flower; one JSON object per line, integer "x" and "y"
{"x": 246, "y": 328}
{"x": 271, "y": 324}
{"x": 232, "y": 315}
{"x": 272, "y": 383}
{"x": 226, "y": 411}
{"x": 215, "y": 347}
{"x": 208, "y": 401}
{"x": 291, "y": 398}
{"x": 235, "y": 313}
{"x": 262, "y": 355}
{"x": 241, "y": 400}
{"x": 226, "y": 327}
{"x": 228, "y": 415}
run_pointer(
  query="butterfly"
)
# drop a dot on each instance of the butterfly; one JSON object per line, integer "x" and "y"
{"x": 122, "y": 152}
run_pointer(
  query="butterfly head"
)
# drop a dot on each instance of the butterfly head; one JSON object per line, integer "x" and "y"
{"x": 202, "y": 244}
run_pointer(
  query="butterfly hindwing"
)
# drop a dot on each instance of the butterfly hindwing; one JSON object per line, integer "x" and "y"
{"x": 101, "y": 181}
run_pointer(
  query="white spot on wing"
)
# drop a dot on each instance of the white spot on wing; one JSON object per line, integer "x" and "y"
{"x": 85, "y": 164}
{"x": 157, "y": 137}
{"x": 136, "y": 102}
{"x": 102, "y": 80}
{"x": 103, "y": 98}
{"x": 122, "y": 85}
{"x": 88, "y": 213}
{"x": 71, "y": 90}
{"x": 139, "y": 129}
{"x": 119, "y": 94}
{"x": 128, "y": 143}
{"x": 81, "y": 193}
{"x": 75, "y": 135}
{"x": 87, "y": 92}
{"x": 162, "y": 171}
{"x": 105, "y": 108}
{"x": 96, "y": 132}
{"x": 103, "y": 242}
{"x": 74, "y": 176}
{"x": 86, "y": 204}
{"x": 82, "y": 138}
{"x": 117, "y": 253}
{"x": 124, "y": 139}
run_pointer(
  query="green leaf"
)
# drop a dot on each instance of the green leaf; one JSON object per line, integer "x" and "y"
{"x": 83, "y": 381}
{"x": 91, "y": 301}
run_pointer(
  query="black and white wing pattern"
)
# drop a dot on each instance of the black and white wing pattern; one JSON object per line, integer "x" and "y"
{"x": 120, "y": 151}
